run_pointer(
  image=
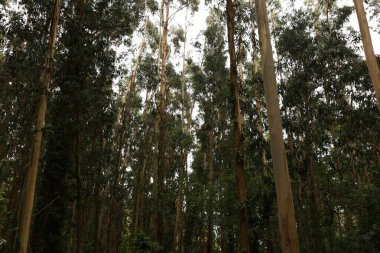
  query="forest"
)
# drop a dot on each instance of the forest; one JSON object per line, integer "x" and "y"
{"x": 188, "y": 126}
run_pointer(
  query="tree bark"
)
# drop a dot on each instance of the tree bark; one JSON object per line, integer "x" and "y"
{"x": 160, "y": 136}
{"x": 286, "y": 215}
{"x": 259, "y": 121}
{"x": 36, "y": 150}
{"x": 127, "y": 101}
{"x": 79, "y": 192}
{"x": 315, "y": 205}
{"x": 139, "y": 188}
{"x": 372, "y": 64}
{"x": 210, "y": 206}
{"x": 238, "y": 142}
{"x": 177, "y": 236}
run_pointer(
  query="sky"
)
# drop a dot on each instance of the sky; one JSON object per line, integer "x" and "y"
{"x": 198, "y": 22}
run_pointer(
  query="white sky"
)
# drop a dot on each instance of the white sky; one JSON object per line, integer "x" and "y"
{"x": 198, "y": 23}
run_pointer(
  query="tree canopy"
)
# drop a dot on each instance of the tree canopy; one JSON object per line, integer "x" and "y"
{"x": 122, "y": 131}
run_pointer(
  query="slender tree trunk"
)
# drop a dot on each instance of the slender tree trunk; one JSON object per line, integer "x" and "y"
{"x": 210, "y": 206}
{"x": 69, "y": 242}
{"x": 160, "y": 136}
{"x": 203, "y": 232}
{"x": 287, "y": 221}
{"x": 238, "y": 143}
{"x": 259, "y": 122}
{"x": 160, "y": 35}
{"x": 79, "y": 193}
{"x": 127, "y": 101}
{"x": 144, "y": 154}
{"x": 316, "y": 206}
{"x": 118, "y": 175}
{"x": 36, "y": 150}
{"x": 177, "y": 236}
{"x": 125, "y": 115}
{"x": 97, "y": 244}
{"x": 372, "y": 64}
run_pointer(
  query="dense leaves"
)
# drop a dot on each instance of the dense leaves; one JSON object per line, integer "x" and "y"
{"x": 97, "y": 176}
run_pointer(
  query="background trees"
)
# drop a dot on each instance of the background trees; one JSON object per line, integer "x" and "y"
{"x": 101, "y": 187}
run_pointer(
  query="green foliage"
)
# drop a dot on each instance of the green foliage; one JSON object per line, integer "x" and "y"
{"x": 143, "y": 244}
{"x": 192, "y": 4}
{"x": 326, "y": 93}
{"x": 96, "y": 177}
{"x": 178, "y": 36}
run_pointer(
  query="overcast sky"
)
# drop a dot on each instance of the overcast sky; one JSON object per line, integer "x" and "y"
{"x": 198, "y": 22}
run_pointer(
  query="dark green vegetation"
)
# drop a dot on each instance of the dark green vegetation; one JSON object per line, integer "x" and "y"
{"x": 125, "y": 168}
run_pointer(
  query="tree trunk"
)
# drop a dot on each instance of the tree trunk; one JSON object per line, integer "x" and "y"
{"x": 160, "y": 137}
{"x": 373, "y": 67}
{"x": 316, "y": 206}
{"x": 97, "y": 243}
{"x": 79, "y": 193}
{"x": 259, "y": 121}
{"x": 177, "y": 236}
{"x": 210, "y": 206}
{"x": 238, "y": 143}
{"x": 287, "y": 221}
{"x": 36, "y": 150}
{"x": 127, "y": 102}
{"x": 139, "y": 187}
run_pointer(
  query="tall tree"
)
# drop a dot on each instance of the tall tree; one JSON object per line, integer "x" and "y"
{"x": 372, "y": 64}
{"x": 177, "y": 235}
{"x": 238, "y": 141}
{"x": 78, "y": 159}
{"x": 160, "y": 121}
{"x": 31, "y": 178}
{"x": 285, "y": 205}
{"x": 99, "y": 179}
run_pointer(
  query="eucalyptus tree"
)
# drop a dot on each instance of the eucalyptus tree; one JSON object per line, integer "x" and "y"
{"x": 185, "y": 128}
{"x": 25, "y": 46}
{"x": 82, "y": 118}
{"x": 36, "y": 150}
{"x": 139, "y": 152}
{"x": 143, "y": 156}
{"x": 238, "y": 141}
{"x": 323, "y": 84}
{"x": 372, "y": 63}
{"x": 215, "y": 107}
{"x": 285, "y": 205}
{"x": 215, "y": 154}
{"x": 162, "y": 121}
{"x": 139, "y": 159}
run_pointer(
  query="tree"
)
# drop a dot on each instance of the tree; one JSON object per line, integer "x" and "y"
{"x": 372, "y": 63}
{"x": 78, "y": 159}
{"x": 177, "y": 235}
{"x": 100, "y": 183}
{"x": 286, "y": 215}
{"x": 36, "y": 150}
{"x": 238, "y": 142}
{"x": 159, "y": 162}
{"x": 314, "y": 86}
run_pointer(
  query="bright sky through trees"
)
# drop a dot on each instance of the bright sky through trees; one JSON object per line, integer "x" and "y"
{"x": 198, "y": 21}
